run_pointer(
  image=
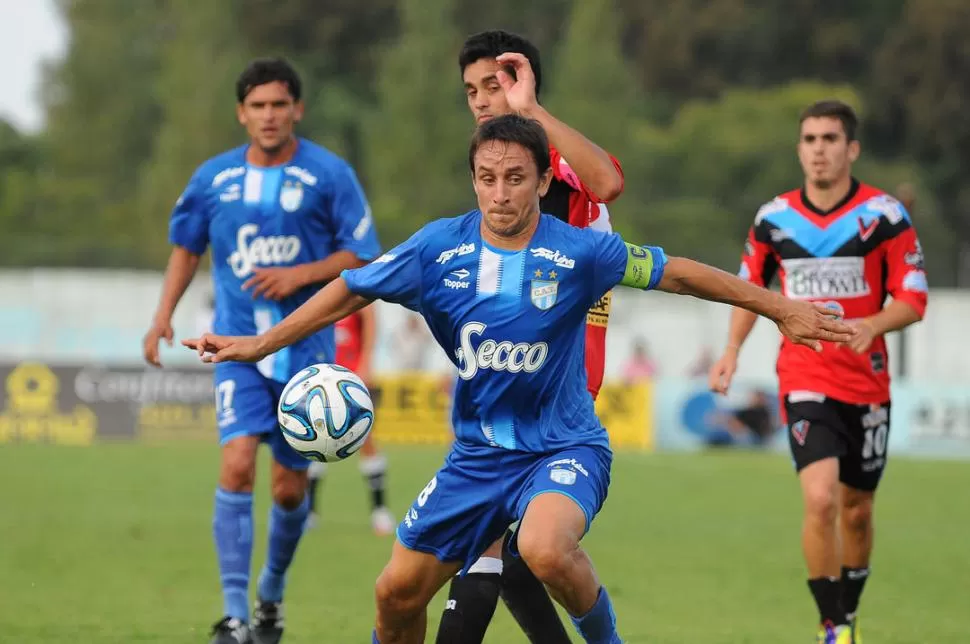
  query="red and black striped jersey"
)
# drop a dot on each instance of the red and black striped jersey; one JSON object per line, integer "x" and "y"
{"x": 570, "y": 200}
{"x": 852, "y": 257}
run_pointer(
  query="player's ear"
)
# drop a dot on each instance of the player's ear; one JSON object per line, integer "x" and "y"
{"x": 855, "y": 149}
{"x": 240, "y": 114}
{"x": 298, "y": 112}
{"x": 474, "y": 183}
{"x": 544, "y": 182}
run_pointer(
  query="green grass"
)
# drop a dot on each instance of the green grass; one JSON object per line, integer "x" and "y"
{"x": 112, "y": 544}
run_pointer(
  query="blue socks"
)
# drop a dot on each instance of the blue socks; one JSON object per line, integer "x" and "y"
{"x": 285, "y": 530}
{"x": 232, "y": 528}
{"x": 598, "y": 626}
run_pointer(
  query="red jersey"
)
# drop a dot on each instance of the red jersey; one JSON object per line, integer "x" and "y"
{"x": 348, "y": 331}
{"x": 570, "y": 200}
{"x": 850, "y": 258}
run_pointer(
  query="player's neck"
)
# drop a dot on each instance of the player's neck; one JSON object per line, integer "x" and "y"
{"x": 513, "y": 242}
{"x": 257, "y": 156}
{"x": 825, "y": 199}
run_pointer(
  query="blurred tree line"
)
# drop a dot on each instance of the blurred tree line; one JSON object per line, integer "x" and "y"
{"x": 699, "y": 100}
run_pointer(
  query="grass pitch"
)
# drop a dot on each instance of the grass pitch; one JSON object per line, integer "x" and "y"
{"x": 112, "y": 544}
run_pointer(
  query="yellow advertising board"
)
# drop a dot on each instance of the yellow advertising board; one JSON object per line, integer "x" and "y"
{"x": 412, "y": 408}
{"x": 78, "y": 405}
{"x": 415, "y": 408}
{"x": 30, "y": 412}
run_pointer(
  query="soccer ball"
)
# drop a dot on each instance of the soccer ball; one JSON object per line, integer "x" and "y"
{"x": 325, "y": 412}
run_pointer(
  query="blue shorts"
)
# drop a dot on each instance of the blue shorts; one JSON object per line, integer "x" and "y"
{"x": 246, "y": 406}
{"x": 481, "y": 491}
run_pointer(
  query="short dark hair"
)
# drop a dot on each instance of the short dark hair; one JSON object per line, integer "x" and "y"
{"x": 494, "y": 43}
{"x": 833, "y": 108}
{"x": 512, "y": 128}
{"x": 268, "y": 70}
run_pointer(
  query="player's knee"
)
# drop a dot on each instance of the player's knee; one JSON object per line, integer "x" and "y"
{"x": 549, "y": 556}
{"x": 397, "y": 595}
{"x": 288, "y": 492}
{"x": 820, "y": 503}
{"x": 857, "y": 515}
{"x": 238, "y": 471}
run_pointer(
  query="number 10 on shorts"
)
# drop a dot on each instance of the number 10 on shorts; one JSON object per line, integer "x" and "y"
{"x": 874, "y": 442}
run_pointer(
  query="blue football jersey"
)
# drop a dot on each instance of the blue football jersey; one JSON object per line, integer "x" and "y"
{"x": 253, "y": 217}
{"x": 512, "y": 322}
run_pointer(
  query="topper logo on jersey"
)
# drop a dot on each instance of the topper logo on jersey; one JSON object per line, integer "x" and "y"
{"x": 233, "y": 192}
{"x": 497, "y": 356}
{"x": 252, "y": 251}
{"x": 825, "y": 277}
{"x": 459, "y": 283}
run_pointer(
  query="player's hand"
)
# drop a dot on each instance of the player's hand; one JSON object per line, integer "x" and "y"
{"x": 520, "y": 90}
{"x": 275, "y": 283}
{"x": 160, "y": 330}
{"x": 809, "y": 323}
{"x": 228, "y": 348}
{"x": 863, "y": 339}
{"x": 722, "y": 372}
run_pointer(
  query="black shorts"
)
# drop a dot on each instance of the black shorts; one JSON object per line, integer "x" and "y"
{"x": 858, "y": 435}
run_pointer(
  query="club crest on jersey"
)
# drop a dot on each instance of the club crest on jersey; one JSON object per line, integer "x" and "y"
{"x": 799, "y": 431}
{"x": 562, "y": 477}
{"x": 291, "y": 195}
{"x": 544, "y": 291}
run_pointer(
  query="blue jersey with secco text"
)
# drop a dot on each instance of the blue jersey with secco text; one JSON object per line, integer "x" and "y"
{"x": 512, "y": 322}
{"x": 256, "y": 217}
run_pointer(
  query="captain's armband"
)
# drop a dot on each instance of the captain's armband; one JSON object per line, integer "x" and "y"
{"x": 644, "y": 266}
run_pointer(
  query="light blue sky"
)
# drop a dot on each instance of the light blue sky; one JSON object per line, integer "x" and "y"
{"x": 30, "y": 32}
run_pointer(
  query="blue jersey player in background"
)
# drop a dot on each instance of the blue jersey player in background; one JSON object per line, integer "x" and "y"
{"x": 281, "y": 216}
{"x": 505, "y": 292}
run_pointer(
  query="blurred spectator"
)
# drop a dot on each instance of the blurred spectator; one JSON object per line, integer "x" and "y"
{"x": 640, "y": 367}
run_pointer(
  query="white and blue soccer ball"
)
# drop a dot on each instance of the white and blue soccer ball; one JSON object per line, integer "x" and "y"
{"x": 325, "y": 412}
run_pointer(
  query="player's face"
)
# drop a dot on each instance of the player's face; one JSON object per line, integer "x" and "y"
{"x": 269, "y": 113}
{"x": 824, "y": 151}
{"x": 486, "y": 98}
{"x": 508, "y": 187}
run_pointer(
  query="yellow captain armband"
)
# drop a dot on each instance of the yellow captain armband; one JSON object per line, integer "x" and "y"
{"x": 644, "y": 266}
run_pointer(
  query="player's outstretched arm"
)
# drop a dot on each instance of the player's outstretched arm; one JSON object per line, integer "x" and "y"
{"x": 591, "y": 163}
{"x": 802, "y": 322}
{"x": 182, "y": 264}
{"x": 328, "y": 305}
